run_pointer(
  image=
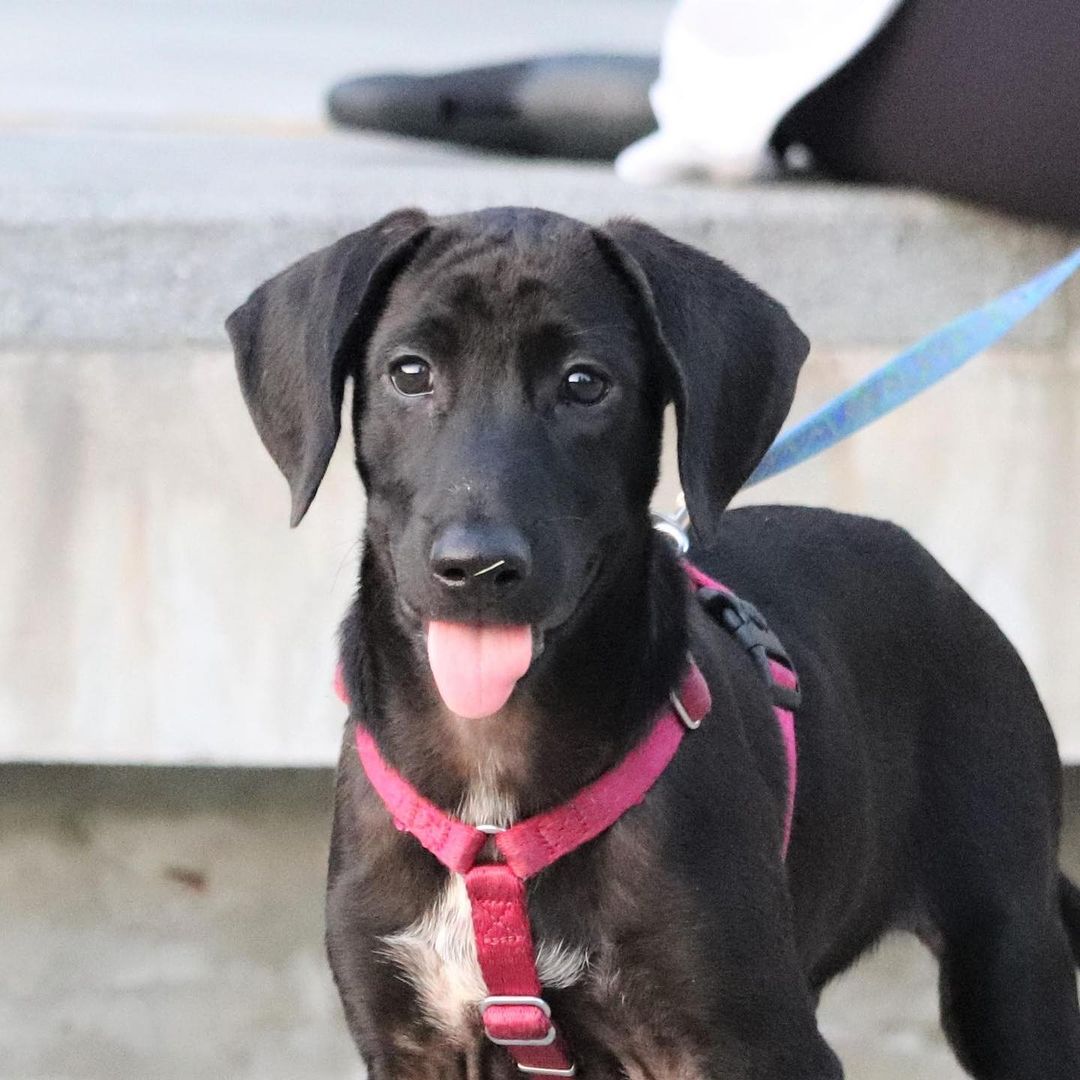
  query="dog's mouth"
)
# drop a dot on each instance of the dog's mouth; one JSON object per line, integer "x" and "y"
{"x": 476, "y": 666}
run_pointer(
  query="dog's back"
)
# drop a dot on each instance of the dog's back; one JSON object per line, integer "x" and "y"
{"x": 922, "y": 741}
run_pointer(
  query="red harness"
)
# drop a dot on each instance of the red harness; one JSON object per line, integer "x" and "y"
{"x": 514, "y": 1013}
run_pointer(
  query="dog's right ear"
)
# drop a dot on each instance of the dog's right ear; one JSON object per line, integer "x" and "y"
{"x": 295, "y": 333}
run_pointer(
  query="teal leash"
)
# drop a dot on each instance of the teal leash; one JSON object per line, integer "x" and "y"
{"x": 913, "y": 371}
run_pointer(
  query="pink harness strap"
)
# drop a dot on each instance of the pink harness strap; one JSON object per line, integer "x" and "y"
{"x": 538, "y": 841}
{"x": 785, "y": 721}
{"x": 514, "y": 1014}
{"x": 455, "y": 844}
{"x": 785, "y": 718}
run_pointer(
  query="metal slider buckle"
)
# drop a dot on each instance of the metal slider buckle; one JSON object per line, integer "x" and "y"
{"x": 513, "y": 999}
{"x": 490, "y": 850}
{"x": 680, "y": 709}
{"x": 672, "y": 530}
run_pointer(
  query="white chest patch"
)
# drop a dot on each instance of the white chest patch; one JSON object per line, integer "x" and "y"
{"x": 438, "y": 951}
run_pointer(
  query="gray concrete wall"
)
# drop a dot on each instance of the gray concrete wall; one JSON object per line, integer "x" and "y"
{"x": 166, "y": 925}
{"x": 159, "y": 610}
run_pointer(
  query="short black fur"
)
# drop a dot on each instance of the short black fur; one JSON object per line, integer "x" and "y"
{"x": 929, "y": 784}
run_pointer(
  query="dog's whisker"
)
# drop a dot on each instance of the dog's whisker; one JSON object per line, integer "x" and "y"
{"x": 590, "y": 329}
{"x": 351, "y": 550}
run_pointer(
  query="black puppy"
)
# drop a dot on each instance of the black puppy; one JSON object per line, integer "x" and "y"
{"x": 510, "y": 372}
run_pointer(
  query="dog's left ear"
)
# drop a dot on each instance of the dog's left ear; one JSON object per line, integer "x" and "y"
{"x": 731, "y": 354}
{"x": 295, "y": 335}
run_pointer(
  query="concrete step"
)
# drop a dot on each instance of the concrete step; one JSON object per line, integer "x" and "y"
{"x": 159, "y": 611}
{"x": 148, "y": 239}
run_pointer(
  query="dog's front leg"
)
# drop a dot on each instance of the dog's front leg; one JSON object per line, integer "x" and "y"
{"x": 771, "y": 1035}
{"x": 714, "y": 992}
{"x": 440, "y": 1060}
{"x": 764, "y": 1014}
{"x": 396, "y": 1040}
{"x": 780, "y": 1053}
{"x": 747, "y": 988}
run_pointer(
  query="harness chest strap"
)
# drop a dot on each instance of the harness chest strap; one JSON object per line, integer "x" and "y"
{"x": 514, "y": 1013}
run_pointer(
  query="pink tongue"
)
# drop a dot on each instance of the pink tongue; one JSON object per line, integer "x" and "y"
{"x": 477, "y": 667}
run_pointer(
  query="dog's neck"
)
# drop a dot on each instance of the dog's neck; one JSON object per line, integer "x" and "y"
{"x": 588, "y": 699}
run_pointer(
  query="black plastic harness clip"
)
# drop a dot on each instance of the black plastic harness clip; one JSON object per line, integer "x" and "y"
{"x": 749, "y": 628}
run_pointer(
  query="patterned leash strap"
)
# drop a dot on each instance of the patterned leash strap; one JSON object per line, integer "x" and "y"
{"x": 913, "y": 371}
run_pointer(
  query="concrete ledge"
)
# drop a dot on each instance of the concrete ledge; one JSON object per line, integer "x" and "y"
{"x": 158, "y": 610}
{"x": 154, "y": 238}
{"x": 168, "y": 924}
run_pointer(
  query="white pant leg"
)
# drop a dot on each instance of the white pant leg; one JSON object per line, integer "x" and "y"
{"x": 730, "y": 69}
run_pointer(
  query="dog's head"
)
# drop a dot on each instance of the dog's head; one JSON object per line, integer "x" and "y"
{"x": 510, "y": 372}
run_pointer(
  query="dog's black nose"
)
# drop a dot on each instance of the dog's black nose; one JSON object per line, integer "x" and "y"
{"x": 480, "y": 557}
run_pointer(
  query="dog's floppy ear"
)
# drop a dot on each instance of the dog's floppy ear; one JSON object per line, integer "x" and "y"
{"x": 732, "y": 356}
{"x": 294, "y": 335}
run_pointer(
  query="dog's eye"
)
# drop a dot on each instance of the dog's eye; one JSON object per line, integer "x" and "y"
{"x": 411, "y": 376}
{"x": 585, "y": 386}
